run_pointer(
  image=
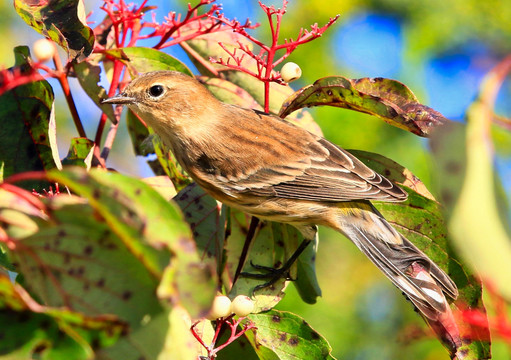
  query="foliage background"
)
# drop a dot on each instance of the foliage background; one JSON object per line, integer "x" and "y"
{"x": 440, "y": 49}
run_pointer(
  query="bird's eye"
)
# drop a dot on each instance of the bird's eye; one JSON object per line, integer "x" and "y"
{"x": 156, "y": 91}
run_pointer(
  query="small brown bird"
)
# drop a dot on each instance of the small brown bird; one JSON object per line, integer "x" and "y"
{"x": 272, "y": 169}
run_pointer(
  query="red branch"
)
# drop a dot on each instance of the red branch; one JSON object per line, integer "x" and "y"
{"x": 233, "y": 326}
{"x": 500, "y": 323}
{"x": 266, "y": 60}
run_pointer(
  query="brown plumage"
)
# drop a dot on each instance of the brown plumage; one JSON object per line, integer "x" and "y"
{"x": 270, "y": 168}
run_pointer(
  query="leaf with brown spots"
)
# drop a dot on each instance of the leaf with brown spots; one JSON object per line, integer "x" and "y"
{"x": 61, "y": 331}
{"x": 264, "y": 251}
{"x": 76, "y": 261}
{"x": 387, "y": 99}
{"x": 286, "y": 336}
{"x": 272, "y": 245}
{"x": 206, "y": 218}
{"x": 77, "y": 255}
{"x": 79, "y": 153}
{"x": 24, "y": 140}
{"x": 151, "y": 228}
{"x": 62, "y": 21}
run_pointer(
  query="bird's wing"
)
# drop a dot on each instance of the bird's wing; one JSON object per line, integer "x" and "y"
{"x": 286, "y": 161}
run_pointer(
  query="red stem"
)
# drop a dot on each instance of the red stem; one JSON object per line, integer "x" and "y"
{"x": 111, "y": 92}
{"x": 62, "y": 78}
{"x": 269, "y": 61}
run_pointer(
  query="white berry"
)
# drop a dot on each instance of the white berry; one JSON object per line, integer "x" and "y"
{"x": 290, "y": 72}
{"x": 221, "y": 307}
{"x": 242, "y": 305}
{"x": 44, "y": 50}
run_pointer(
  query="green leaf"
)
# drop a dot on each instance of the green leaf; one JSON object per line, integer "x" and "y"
{"x": 79, "y": 150}
{"x": 283, "y": 335}
{"x": 206, "y": 218}
{"x": 25, "y": 113}
{"x": 20, "y": 216}
{"x": 387, "y": 99}
{"x": 393, "y": 171}
{"x": 162, "y": 185}
{"x": 31, "y": 330}
{"x": 63, "y": 21}
{"x": 230, "y": 93}
{"x": 271, "y": 247}
{"x": 306, "y": 282}
{"x": 89, "y": 76}
{"x": 138, "y": 134}
{"x": 149, "y": 228}
{"x": 448, "y": 147}
{"x": 169, "y": 164}
{"x": 179, "y": 340}
{"x": 141, "y": 59}
{"x": 83, "y": 265}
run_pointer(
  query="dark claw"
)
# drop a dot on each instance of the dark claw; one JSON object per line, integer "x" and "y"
{"x": 273, "y": 275}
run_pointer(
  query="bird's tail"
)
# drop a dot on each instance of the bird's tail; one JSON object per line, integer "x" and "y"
{"x": 420, "y": 279}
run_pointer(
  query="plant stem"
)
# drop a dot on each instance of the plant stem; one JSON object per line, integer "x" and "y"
{"x": 111, "y": 92}
{"x": 62, "y": 78}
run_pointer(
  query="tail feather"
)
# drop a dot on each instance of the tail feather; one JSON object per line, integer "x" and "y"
{"x": 420, "y": 279}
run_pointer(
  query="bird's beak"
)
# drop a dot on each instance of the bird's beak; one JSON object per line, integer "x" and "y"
{"x": 121, "y": 99}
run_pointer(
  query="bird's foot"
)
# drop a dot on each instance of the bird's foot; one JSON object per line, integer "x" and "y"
{"x": 268, "y": 273}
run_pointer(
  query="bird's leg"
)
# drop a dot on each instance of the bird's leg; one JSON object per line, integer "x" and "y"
{"x": 275, "y": 274}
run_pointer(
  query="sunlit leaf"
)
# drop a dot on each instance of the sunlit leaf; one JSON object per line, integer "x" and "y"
{"x": 60, "y": 21}
{"x": 393, "y": 171}
{"x": 141, "y": 60}
{"x": 283, "y": 335}
{"x": 207, "y": 220}
{"x": 149, "y": 227}
{"x": 51, "y": 333}
{"x": 387, "y": 99}
{"x": 179, "y": 342}
{"x": 79, "y": 150}
{"x": 19, "y": 215}
{"x": 162, "y": 185}
{"x": 230, "y": 93}
{"x": 89, "y": 77}
{"x": 271, "y": 247}
{"x": 138, "y": 134}
{"x": 476, "y": 223}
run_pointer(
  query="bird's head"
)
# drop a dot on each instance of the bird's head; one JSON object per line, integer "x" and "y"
{"x": 166, "y": 98}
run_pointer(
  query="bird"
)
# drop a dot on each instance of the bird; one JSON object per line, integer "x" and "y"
{"x": 270, "y": 168}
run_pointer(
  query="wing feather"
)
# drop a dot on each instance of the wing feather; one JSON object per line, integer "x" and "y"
{"x": 289, "y": 162}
